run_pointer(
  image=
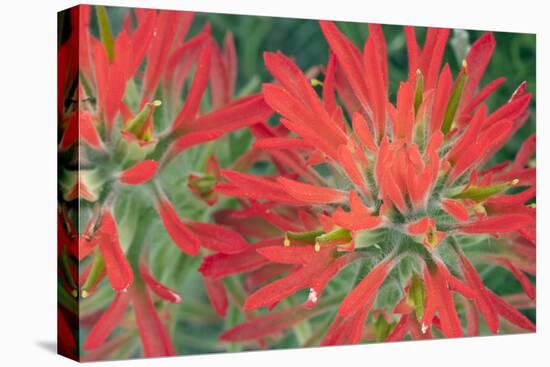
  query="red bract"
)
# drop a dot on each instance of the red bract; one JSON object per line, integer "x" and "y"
{"x": 409, "y": 184}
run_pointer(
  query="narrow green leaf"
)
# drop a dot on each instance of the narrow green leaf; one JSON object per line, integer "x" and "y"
{"x": 479, "y": 194}
{"x": 98, "y": 266}
{"x": 419, "y": 91}
{"x": 416, "y": 292}
{"x": 454, "y": 101}
{"x": 105, "y": 32}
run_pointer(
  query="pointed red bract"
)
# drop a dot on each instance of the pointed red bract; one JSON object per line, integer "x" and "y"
{"x": 159, "y": 289}
{"x": 217, "y": 295}
{"x": 117, "y": 267}
{"x": 107, "y": 322}
{"x": 140, "y": 173}
{"x": 154, "y": 336}
{"x": 182, "y": 236}
{"x": 266, "y": 325}
{"x": 310, "y": 193}
{"x": 367, "y": 288}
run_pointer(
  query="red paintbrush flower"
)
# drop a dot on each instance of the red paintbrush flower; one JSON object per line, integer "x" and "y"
{"x": 116, "y": 143}
{"x": 410, "y": 185}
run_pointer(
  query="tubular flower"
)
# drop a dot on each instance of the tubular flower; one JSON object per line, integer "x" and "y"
{"x": 123, "y": 126}
{"x": 411, "y": 204}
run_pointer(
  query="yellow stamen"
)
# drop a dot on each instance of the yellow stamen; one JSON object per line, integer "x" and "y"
{"x": 317, "y": 247}
{"x": 84, "y": 293}
{"x": 316, "y": 82}
{"x": 286, "y": 242}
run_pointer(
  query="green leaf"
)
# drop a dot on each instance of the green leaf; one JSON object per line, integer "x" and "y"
{"x": 454, "y": 101}
{"x": 416, "y": 294}
{"x": 98, "y": 266}
{"x": 479, "y": 194}
{"x": 419, "y": 91}
{"x": 105, "y": 32}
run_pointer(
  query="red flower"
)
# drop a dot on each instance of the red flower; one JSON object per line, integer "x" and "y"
{"x": 114, "y": 149}
{"x": 409, "y": 181}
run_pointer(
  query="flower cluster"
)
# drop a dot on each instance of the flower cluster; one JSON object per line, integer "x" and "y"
{"x": 373, "y": 222}
{"x": 113, "y": 143}
{"x": 408, "y": 188}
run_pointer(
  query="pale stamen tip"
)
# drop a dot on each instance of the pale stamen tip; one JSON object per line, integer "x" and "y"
{"x": 317, "y": 247}
{"x": 286, "y": 242}
{"x": 514, "y": 182}
{"x": 84, "y": 293}
{"x": 315, "y": 82}
{"x": 312, "y": 297}
{"x": 424, "y": 328}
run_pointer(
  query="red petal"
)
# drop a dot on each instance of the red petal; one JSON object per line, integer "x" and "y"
{"x": 217, "y": 295}
{"x": 522, "y": 279}
{"x": 281, "y": 143}
{"x": 288, "y": 255}
{"x": 88, "y": 131}
{"x": 163, "y": 36}
{"x": 483, "y": 304}
{"x": 421, "y": 226}
{"x": 158, "y": 288}
{"x": 478, "y": 58}
{"x": 140, "y": 173}
{"x": 279, "y": 289}
{"x": 220, "y": 265}
{"x": 525, "y": 152}
{"x": 349, "y": 161}
{"x": 242, "y": 112}
{"x": 256, "y": 187}
{"x": 413, "y": 51}
{"x": 70, "y": 134}
{"x": 483, "y": 94}
{"x": 435, "y": 58}
{"x": 498, "y": 224}
{"x": 312, "y": 194}
{"x": 377, "y": 88}
{"x": 154, "y": 337}
{"x": 190, "y": 140}
{"x": 361, "y": 128}
{"x": 510, "y": 313}
{"x": 455, "y": 209}
{"x": 117, "y": 267}
{"x": 266, "y": 325}
{"x": 178, "y": 231}
{"x": 107, "y": 322}
{"x": 450, "y": 323}
{"x": 303, "y": 97}
{"x": 219, "y": 238}
{"x": 367, "y": 288}
{"x": 509, "y": 111}
{"x": 299, "y": 119}
{"x": 318, "y": 284}
{"x": 200, "y": 80}
{"x": 349, "y": 58}
{"x": 355, "y": 221}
